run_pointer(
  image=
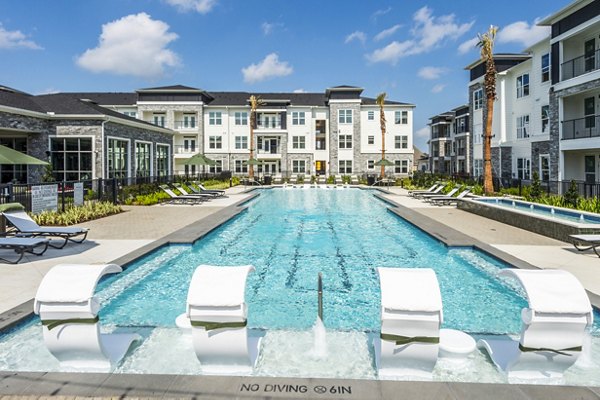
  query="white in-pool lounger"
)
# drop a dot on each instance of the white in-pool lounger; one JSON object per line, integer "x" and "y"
{"x": 68, "y": 309}
{"x": 553, "y": 326}
{"x": 218, "y": 316}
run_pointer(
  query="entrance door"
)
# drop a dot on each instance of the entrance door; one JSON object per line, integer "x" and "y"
{"x": 270, "y": 167}
{"x": 589, "y": 51}
{"x": 320, "y": 167}
{"x": 270, "y": 145}
{"x": 590, "y": 169}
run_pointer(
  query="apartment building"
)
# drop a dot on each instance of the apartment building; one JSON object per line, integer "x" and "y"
{"x": 449, "y": 142}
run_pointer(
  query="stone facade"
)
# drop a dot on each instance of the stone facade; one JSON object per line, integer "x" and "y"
{"x": 537, "y": 149}
{"x": 335, "y": 130}
{"x": 505, "y": 163}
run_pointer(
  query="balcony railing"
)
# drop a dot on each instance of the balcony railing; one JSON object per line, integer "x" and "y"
{"x": 186, "y": 124}
{"x": 181, "y": 149}
{"x": 580, "y": 65}
{"x": 581, "y": 128}
{"x": 269, "y": 125}
{"x": 272, "y": 150}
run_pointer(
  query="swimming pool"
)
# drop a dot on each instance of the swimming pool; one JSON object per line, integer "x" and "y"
{"x": 290, "y": 236}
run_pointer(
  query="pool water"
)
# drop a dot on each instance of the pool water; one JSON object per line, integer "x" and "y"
{"x": 290, "y": 236}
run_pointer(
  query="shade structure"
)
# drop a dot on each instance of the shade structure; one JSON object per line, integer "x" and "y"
{"x": 199, "y": 159}
{"x": 12, "y": 157}
{"x": 254, "y": 161}
{"x": 384, "y": 162}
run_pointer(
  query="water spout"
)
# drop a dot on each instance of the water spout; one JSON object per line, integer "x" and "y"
{"x": 581, "y": 218}
{"x": 585, "y": 359}
{"x": 320, "y": 296}
{"x": 319, "y": 349}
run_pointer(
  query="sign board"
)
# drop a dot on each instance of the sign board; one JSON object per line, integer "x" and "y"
{"x": 44, "y": 197}
{"x": 78, "y": 193}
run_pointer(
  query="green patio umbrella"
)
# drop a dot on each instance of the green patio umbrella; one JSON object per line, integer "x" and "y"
{"x": 384, "y": 162}
{"x": 254, "y": 161}
{"x": 10, "y": 156}
{"x": 199, "y": 159}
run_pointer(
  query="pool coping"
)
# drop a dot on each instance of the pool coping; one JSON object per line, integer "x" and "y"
{"x": 113, "y": 385}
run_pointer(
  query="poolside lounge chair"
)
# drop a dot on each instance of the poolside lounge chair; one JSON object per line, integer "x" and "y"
{"x": 28, "y": 227}
{"x": 218, "y": 315}
{"x": 278, "y": 179}
{"x": 431, "y": 189}
{"x": 321, "y": 180}
{"x": 182, "y": 199}
{"x": 294, "y": 179}
{"x": 338, "y": 180}
{"x": 586, "y": 242}
{"x": 184, "y": 192}
{"x": 68, "y": 309}
{"x": 435, "y": 191}
{"x": 354, "y": 180}
{"x": 553, "y": 326}
{"x": 448, "y": 200}
{"x": 426, "y": 196}
{"x": 200, "y": 186}
{"x": 411, "y": 315}
{"x": 22, "y": 245}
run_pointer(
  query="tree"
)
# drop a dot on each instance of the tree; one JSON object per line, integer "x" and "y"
{"x": 486, "y": 43}
{"x": 255, "y": 102}
{"x": 381, "y": 102}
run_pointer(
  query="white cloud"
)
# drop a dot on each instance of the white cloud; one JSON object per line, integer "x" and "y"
{"x": 423, "y": 132}
{"x": 428, "y": 33}
{"x": 431, "y": 72}
{"x": 268, "y": 68}
{"x": 16, "y": 39}
{"x": 387, "y": 32}
{"x": 468, "y": 45}
{"x": 268, "y": 27}
{"x": 299, "y": 91}
{"x": 438, "y": 88}
{"x": 356, "y": 35}
{"x": 523, "y": 33}
{"x": 133, "y": 45}
{"x": 381, "y": 12}
{"x": 199, "y": 6}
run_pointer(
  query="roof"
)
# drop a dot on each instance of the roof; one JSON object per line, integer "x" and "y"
{"x": 563, "y": 12}
{"x": 501, "y": 56}
{"x": 20, "y": 100}
{"x": 107, "y": 98}
{"x": 172, "y": 88}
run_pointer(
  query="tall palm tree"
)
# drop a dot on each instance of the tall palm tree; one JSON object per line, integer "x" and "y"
{"x": 255, "y": 102}
{"x": 486, "y": 43}
{"x": 381, "y": 102}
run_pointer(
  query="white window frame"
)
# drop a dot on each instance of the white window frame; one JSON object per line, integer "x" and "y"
{"x": 523, "y": 170}
{"x": 545, "y": 70}
{"x": 298, "y": 166}
{"x": 79, "y": 152}
{"x": 298, "y": 118}
{"x": 215, "y": 142}
{"x": 127, "y": 158}
{"x": 345, "y": 166}
{"x": 345, "y": 141}
{"x": 215, "y": 118}
{"x": 478, "y": 99}
{"x": 370, "y": 164}
{"x": 151, "y": 157}
{"x": 401, "y": 142}
{"x": 477, "y": 167}
{"x": 401, "y": 166}
{"x": 523, "y": 85}
{"x": 217, "y": 168}
{"x": 167, "y": 158}
{"x": 299, "y": 142}
{"x": 541, "y": 169}
{"x": 523, "y": 127}
{"x": 240, "y": 118}
{"x": 241, "y": 143}
{"x": 189, "y": 121}
{"x": 345, "y": 117}
{"x": 545, "y": 121}
{"x": 371, "y": 139}
{"x": 241, "y": 166}
{"x": 371, "y": 115}
{"x": 159, "y": 119}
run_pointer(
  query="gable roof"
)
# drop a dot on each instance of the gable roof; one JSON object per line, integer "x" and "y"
{"x": 172, "y": 88}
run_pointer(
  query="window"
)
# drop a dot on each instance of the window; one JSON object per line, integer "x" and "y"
{"x": 189, "y": 144}
{"x": 371, "y": 164}
{"x": 523, "y": 166}
{"x": 214, "y": 118}
{"x": 241, "y": 118}
{"x": 215, "y": 142}
{"x": 159, "y": 119}
{"x": 545, "y": 167}
{"x": 298, "y": 166}
{"x": 187, "y": 170}
{"x": 345, "y": 141}
{"x": 118, "y": 158}
{"x": 142, "y": 159}
{"x": 477, "y": 134}
{"x": 345, "y": 166}
{"x": 401, "y": 117}
{"x": 371, "y": 139}
{"x": 189, "y": 120}
{"x": 298, "y": 142}
{"x": 401, "y": 166}
{"x": 478, "y": 167}
{"x": 371, "y": 115}
{"x": 241, "y": 142}
{"x": 241, "y": 166}
{"x": 132, "y": 114}
{"x": 523, "y": 127}
{"x": 71, "y": 159}
{"x": 523, "y": 85}
{"x": 478, "y": 99}
{"x": 162, "y": 160}
{"x": 298, "y": 118}
{"x": 217, "y": 168}
{"x": 460, "y": 125}
{"x": 545, "y": 118}
{"x": 546, "y": 67}
{"x": 345, "y": 117}
{"x": 401, "y": 142}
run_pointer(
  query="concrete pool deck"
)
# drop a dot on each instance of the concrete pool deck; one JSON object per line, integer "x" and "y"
{"x": 126, "y": 236}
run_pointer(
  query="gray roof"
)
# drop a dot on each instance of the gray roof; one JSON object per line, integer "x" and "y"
{"x": 107, "y": 98}
{"x": 167, "y": 88}
{"x": 20, "y": 100}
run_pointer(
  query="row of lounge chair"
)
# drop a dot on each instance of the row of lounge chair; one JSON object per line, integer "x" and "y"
{"x": 410, "y": 342}
{"x": 199, "y": 193}
{"x": 434, "y": 194}
{"x": 321, "y": 179}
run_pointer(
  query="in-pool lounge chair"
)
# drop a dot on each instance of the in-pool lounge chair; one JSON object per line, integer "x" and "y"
{"x": 338, "y": 180}
{"x": 22, "y": 245}
{"x": 448, "y": 199}
{"x": 586, "y": 242}
{"x": 294, "y": 179}
{"x": 25, "y": 226}
{"x": 278, "y": 179}
{"x": 322, "y": 180}
{"x": 218, "y": 316}
{"x": 182, "y": 199}
{"x": 69, "y": 310}
{"x": 553, "y": 326}
{"x": 411, "y": 316}
{"x": 184, "y": 192}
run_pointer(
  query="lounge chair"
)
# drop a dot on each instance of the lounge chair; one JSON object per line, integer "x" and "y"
{"x": 321, "y": 180}
{"x": 436, "y": 191}
{"x": 182, "y": 199}
{"x": 338, "y": 180}
{"x": 294, "y": 179}
{"x": 200, "y": 186}
{"x": 431, "y": 189}
{"x": 217, "y": 313}
{"x": 448, "y": 200}
{"x": 354, "y": 180}
{"x": 184, "y": 192}
{"x": 28, "y": 227}
{"x": 22, "y": 245}
{"x": 411, "y": 315}
{"x": 586, "y": 242}
{"x": 69, "y": 310}
{"x": 278, "y": 179}
{"x": 426, "y": 196}
{"x": 553, "y": 326}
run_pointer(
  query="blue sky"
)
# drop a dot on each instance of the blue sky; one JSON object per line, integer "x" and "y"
{"x": 415, "y": 51}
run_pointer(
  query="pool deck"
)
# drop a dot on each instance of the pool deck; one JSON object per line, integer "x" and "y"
{"x": 124, "y": 237}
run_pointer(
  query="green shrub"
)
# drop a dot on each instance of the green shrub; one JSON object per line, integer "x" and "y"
{"x": 331, "y": 179}
{"x": 536, "y": 188}
{"x": 572, "y": 195}
{"x": 75, "y": 215}
{"x": 148, "y": 199}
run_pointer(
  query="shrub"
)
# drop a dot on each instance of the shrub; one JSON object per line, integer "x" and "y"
{"x": 572, "y": 195}
{"x": 536, "y": 189}
{"x": 75, "y": 215}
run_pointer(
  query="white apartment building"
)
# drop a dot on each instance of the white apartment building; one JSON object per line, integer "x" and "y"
{"x": 449, "y": 142}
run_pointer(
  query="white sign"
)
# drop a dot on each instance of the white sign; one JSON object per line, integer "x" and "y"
{"x": 44, "y": 197}
{"x": 78, "y": 193}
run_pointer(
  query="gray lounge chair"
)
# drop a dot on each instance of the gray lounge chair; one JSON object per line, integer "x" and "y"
{"x": 184, "y": 192}
{"x": 434, "y": 187}
{"x": 25, "y": 226}
{"x": 204, "y": 190}
{"x": 427, "y": 196}
{"x": 448, "y": 200}
{"x": 354, "y": 180}
{"x": 586, "y": 242}
{"x": 22, "y": 245}
{"x": 181, "y": 199}
{"x": 436, "y": 191}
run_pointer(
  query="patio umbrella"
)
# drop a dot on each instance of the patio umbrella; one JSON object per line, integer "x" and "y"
{"x": 384, "y": 162}
{"x": 254, "y": 161}
{"x": 10, "y": 156}
{"x": 199, "y": 159}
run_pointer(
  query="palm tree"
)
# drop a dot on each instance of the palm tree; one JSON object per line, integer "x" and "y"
{"x": 486, "y": 43}
{"x": 255, "y": 102}
{"x": 381, "y": 102}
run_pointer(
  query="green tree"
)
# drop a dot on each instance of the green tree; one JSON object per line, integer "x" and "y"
{"x": 572, "y": 195}
{"x": 536, "y": 189}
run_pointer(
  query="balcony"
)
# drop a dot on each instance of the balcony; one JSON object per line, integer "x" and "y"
{"x": 185, "y": 150}
{"x": 580, "y": 65}
{"x": 186, "y": 125}
{"x": 579, "y": 128}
